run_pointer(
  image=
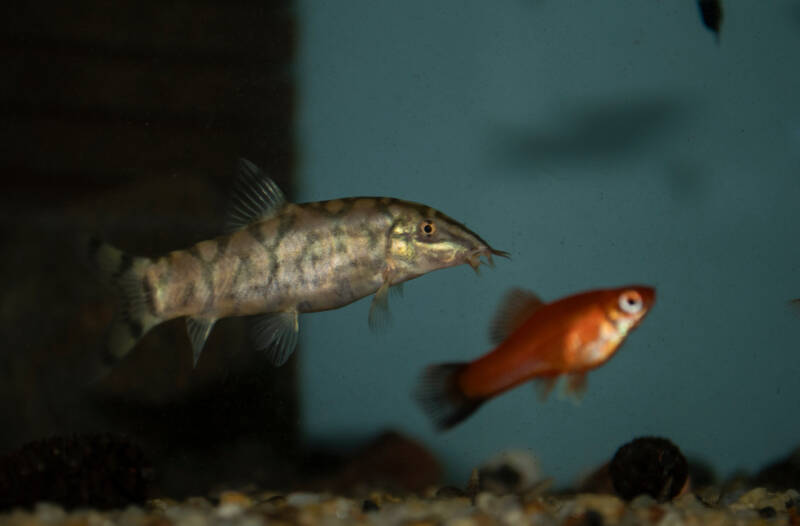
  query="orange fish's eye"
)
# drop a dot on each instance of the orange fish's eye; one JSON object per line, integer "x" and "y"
{"x": 427, "y": 228}
{"x": 630, "y": 301}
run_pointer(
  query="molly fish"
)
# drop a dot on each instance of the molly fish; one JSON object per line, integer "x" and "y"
{"x": 281, "y": 259}
{"x": 536, "y": 341}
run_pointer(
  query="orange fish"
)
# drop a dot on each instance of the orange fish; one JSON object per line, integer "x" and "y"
{"x": 536, "y": 341}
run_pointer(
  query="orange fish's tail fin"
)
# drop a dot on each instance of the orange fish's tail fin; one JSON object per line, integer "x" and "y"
{"x": 440, "y": 397}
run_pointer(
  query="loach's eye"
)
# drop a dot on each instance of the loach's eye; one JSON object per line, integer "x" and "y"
{"x": 630, "y": 301}
{"x": 427, "y": 228}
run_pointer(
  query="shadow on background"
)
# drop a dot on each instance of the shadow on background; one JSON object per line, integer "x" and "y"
{"x": 595, "y": 131}
{"x": 600, "y": 132}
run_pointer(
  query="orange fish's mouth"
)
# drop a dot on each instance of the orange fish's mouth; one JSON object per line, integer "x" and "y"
{"x": 475, "y": 260}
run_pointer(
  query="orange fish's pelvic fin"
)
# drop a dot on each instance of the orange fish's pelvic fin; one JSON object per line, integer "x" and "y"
{"x": 544, "y": 386}
{"x": 255, "y": 197}
{"x": 198, "y": 329}
{"x": 576, "y": 385}
{"x": 276, "y": 334}
{"x": 516, "y": 307}
{"x": 440, "y": 397}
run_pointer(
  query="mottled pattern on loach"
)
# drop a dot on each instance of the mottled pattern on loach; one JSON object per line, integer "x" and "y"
{"x": 282, "y": 259}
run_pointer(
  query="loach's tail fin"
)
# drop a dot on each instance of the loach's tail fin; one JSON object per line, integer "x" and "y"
{"x": 125, "y": 275}
{"x": 440, "y": 397}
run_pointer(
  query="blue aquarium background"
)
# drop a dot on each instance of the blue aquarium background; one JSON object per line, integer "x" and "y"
{"x": 601, "y": 144}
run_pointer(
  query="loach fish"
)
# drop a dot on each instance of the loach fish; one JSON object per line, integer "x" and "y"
{"x": 281, "y": 259}
{"x": 535, "y": 341}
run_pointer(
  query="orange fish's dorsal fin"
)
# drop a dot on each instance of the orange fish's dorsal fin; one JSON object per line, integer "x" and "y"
{"x": 544, "y": 386}
{"x": 255, "y": 197}
{"x": 516, "y": 307}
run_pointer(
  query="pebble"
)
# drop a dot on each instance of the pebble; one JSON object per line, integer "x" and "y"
{"x": 449, "y": 492}
{"x": 234, "y": 497}
{"x": 239, "y": 508}
{"x": 50, "y": 513}
{"x": 759, "y": 498}
{"x": 300, "y": 500}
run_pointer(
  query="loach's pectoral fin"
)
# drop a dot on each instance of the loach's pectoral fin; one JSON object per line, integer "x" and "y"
{"x": 199, "y": 329}
{"x": 276, "y": 333}
{"x": 379, "y": 308}
{"x": 379, "y": 316}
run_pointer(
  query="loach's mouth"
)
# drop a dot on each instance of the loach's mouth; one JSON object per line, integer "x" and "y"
{"x": 474, "y": 259}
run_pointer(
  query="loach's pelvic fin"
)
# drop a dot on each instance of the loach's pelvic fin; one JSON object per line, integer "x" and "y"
{"x": 125, "y": 274}
{"x": 198, "y": 329}
{"x": 440, "y": 397}
{"x": 516, "y": 307}
{"x": 276, "y": 333}
{"x": 255, "y": 197}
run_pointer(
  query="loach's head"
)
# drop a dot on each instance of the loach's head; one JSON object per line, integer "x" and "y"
{"x": 626, "y": 306}
{"x": 423, "y": 239}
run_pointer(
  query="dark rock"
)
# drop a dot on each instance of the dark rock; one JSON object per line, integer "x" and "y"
{"x": 782, "y": 474}
{"x": 598, "y": 481}
{"x": 701, "y": 474}
{"x": 650, "y": 465}
{"x": 369, "y": 505}
{"x": 589, "y": 518}
{"x": 500, "y": 480}
{"x": 767, "y": 512}
{"x": 391, "y": 461}
{"x": 449, "y": 492}
{"x": 100, "y": 471}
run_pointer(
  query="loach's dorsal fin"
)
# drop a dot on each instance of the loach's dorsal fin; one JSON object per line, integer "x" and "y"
{"x": 516, "y": 307}
{"x": 255, "y": 196}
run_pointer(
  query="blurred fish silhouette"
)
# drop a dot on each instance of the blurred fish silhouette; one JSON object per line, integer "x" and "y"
{"x": 281, "y": 259}
{"x": 711, "y": 15}
{"x": 536, "y": 341}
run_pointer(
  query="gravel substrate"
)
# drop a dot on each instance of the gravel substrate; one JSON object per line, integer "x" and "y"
{"x": 757, "y": 506}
